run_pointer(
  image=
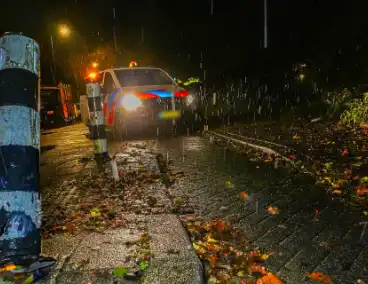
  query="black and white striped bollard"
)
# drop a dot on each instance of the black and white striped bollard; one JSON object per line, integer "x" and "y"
{"x": 98, "y": 132}
{"x": 20, "y": 200}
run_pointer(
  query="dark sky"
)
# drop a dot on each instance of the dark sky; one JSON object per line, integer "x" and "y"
{"x": 298, "y": 29}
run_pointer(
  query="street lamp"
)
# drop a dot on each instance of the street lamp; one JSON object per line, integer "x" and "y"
{"x": 64, "y": 30}
{"x": 94, "y": 64}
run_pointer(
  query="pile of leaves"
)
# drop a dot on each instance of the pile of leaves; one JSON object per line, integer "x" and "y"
{"x": 335, "y": 155}
{"x": 226, "y": 253}
{"x": 356, "y": 112}
{"x": 96, "y": 202}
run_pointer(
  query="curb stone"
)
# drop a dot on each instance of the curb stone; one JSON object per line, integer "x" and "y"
{"x": 257, "y": 147}
{"x": 171, "y": 247}
{"x": 174, "y": 260}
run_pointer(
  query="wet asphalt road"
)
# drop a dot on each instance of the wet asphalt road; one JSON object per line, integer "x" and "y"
{"x": 303, "y": 241}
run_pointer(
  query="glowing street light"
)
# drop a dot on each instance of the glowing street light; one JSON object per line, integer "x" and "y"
{"x": 301, "y": 77}
{"x": 92, "y": 76}
{"x": 133, "y": 64}
{"x": 64, "y": 30}
{"x": 94, "y": 64}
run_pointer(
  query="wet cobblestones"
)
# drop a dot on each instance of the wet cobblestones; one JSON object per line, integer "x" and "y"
{"x": 312, "y": 232}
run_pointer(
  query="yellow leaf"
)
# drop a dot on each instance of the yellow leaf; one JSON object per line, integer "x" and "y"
{"x": 273, "y": 210}
{"x": 240, "y": 273}
{"x": 95, "y": 214}
{"x": 228, "y": 183}
{"x": 28, "y": 280}
{"x": 212, "y": 280}
{"x": 196, "y": 247}
{"x": 210, "y": 240}
{"x": 265, "y": 256}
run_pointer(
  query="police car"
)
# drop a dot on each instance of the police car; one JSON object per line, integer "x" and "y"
{"x": 138, "y": 97}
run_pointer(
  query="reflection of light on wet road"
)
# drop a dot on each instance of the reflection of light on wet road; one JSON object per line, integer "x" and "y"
{"x": 193, "y": 143}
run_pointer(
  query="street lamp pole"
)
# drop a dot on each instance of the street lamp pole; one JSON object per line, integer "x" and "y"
{"x": 265, "y": 42}
{"x": 53, "y": 59}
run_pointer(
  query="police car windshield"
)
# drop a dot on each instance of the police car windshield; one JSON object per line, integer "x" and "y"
{"x": 142, "y": 77}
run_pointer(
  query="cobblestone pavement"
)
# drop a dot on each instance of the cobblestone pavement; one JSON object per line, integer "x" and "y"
{"x": 312, "y": 232}
{"x": 92, "y": 224}
{"x": 70, "y": 180}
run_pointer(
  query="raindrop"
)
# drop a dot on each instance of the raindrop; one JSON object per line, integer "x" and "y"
{"x": 363, "y": 231}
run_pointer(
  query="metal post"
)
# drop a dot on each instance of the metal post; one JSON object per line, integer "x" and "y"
{"x": 53, "y": 67}
{"x": 98, "y": 133}
{"x": 265, "y": 25}
{"x": 20, "y": 201}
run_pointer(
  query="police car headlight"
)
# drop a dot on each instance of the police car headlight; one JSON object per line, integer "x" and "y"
{"x": 190, "y": 99}
{"x": 131, "y": 102}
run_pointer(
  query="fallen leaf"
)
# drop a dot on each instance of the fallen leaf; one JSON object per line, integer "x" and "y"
{"x": 364, "y": 179}
{"x": 212, "y": 280}
{"x": 8, "y": 267}
{"x": 337, "y": 192}
{"x": 243, "y": 195}
{"x": 29, "y": 280}
{"x": 213, "y": 259}
{"x": 221, "y": 226}
{"x": 362, "y": 191}
{"x": 120, "y": 272}
{"x": 296, "y": 137}
{"x": 273, "y": 210}
{"x": 292, "y": 157}
{"x": 345, "y": 152}
{"x": 319, "y": 276}
{"x": 265, "y": 256}
{"x": 143, "y": 265}
{"x": 259, "y": 269}
{"x": 228, "y": 183}
{"x": 269, "y": 278}
{"x": 211, "y": 240}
